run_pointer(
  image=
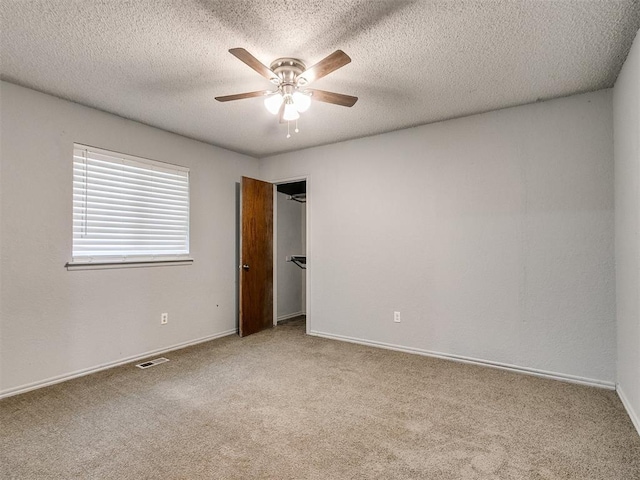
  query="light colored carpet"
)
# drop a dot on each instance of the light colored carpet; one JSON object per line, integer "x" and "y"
{"x": 282, "y": 405}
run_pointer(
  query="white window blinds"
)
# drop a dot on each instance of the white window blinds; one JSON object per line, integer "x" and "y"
{"x": 128, "y": 209}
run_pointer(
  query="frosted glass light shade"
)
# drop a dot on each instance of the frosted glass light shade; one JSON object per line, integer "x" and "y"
{"x": 302, "y": 101}
{"x": 273, "y": 103}
{"x": 290, "y": 112}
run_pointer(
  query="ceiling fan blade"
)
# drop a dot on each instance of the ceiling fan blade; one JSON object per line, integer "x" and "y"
{"x": 245, "y": 57}
{"x": 331, "y": 97}
{"x": 240, "y": 96}
{"x": 325, "y": 66}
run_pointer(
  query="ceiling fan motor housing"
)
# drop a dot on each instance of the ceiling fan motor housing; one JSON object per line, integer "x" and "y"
{"x": 287, "y": 70}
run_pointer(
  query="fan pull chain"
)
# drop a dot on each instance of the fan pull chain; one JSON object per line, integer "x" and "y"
{"x": 296, "y": 130}
{"x": 288, "y": 134}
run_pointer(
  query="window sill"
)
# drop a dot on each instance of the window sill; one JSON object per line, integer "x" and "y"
{"x": 72, "y": 266}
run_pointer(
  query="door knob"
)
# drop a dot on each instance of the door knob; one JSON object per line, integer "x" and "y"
{"x": 245, "y": 267}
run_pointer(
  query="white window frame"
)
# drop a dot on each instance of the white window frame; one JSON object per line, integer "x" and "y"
{"x": 136, "y": 257}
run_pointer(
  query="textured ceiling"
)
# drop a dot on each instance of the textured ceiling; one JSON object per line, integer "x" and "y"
{"x": 413, "y": 62}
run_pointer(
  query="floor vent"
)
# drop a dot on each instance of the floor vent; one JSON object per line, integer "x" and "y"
{"x": 152, "y": 363}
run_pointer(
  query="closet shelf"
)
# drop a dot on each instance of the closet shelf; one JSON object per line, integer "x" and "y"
{"x": 298, "y": 197}
{"x": 299, "y": 260}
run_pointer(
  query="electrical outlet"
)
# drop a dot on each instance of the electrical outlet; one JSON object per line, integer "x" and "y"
{"x": 396, "y": 317}
{"x": 164, "y": 318}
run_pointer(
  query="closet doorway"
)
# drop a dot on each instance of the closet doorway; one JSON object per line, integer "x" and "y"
{"x": 290, "y": 252}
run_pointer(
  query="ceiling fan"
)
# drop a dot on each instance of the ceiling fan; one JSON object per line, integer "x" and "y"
{"x": 291, "y": 77}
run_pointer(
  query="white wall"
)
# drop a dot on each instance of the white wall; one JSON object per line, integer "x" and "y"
{"x": 491, "y": 234}
{"x": 289, "y": 240}
{"x": 626, "y": 111}
{"x": 56, "y": 322}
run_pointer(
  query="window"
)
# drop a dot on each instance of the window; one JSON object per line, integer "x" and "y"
{"x": 128, "y": 209}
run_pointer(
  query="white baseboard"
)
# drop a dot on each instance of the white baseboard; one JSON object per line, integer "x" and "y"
{"x": 288, "y": 316}
{"x": 635, "y": 419}
{"x": 86, "y": 371}
{"x": 476, "y": 361}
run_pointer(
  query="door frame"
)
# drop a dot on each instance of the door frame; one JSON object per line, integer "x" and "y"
{"x": 299, "y": 178}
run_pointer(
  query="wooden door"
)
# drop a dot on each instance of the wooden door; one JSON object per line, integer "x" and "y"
{"x": 256, "y": 272}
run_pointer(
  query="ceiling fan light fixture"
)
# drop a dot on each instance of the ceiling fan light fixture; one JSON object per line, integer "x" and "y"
{"x": 302, "y": 101}
{"x": 290, "y": 112}
{"x": 290, "y": 75}
{"x": 273, "y": 103}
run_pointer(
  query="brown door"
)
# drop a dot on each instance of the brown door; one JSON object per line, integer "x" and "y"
{"x": 256, "y": 272}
